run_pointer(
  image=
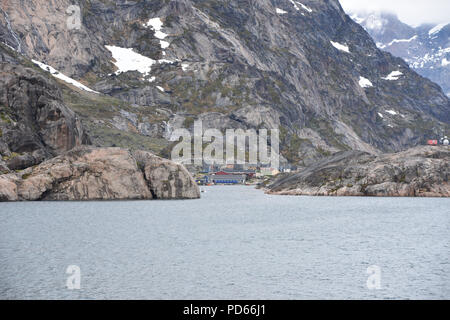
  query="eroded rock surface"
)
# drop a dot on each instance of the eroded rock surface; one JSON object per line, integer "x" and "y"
{"x": 35, "y": 124}
{"x": 417, "y": 172}
{"x": 86, "y": 173}
{"x": 166, "y": 179}
{"x": 233, "y": 64}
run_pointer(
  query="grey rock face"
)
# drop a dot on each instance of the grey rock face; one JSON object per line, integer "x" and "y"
{"x": 34, "y": 122}
{"x": 166, "y": 179}
{"x": 243, "y": 60}
{"x": 417, "y": 172}
{"x": 86, "y": 173}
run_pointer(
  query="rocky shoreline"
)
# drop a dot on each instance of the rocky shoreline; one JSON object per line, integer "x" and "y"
{"x": 87, "y": 173}
{"x": 45, "y": 151}
{"x": 417, "y": 172}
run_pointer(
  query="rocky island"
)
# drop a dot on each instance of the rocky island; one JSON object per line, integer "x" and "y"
{"x": 417, "y": 172}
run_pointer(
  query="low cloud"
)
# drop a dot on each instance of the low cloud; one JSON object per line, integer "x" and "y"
{"x": 413, "y": 12}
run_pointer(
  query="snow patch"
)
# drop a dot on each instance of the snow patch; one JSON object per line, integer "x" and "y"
{"x": 13, "y": 49}
{"x": 164, "y": 44}
{"x": 436, "y": 29}
{"x": 160, "y": 35}
{"x": 392, "y": 112}
{"x": 156, "y": 25}
{"x": 165, "y": 61}
{"x": 305, "y": 7}
{"x": 340, "y": 47}
{"x": 381, "y": 115}
{"x": 430, "y": 59}
{"x": 297, "y": 4}
{"x": 394, "y": 75}
{"x": 445, "y": 62}
{"x": 184, "y": 66}
{"x": 401, "y": 40}
{"x": 161, "y": 89}
{"x": 63, "y": 77}
{"x": 281, "y": 11}
{"x": 365, "y": 83}
{"x": 128, "y": 60}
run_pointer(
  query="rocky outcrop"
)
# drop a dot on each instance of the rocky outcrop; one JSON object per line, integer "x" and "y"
{"x": 34, "y": 122}
{"x": 417, "y": 172}
{"x": 166, "y": 179}
{"x": 86, "y": 173}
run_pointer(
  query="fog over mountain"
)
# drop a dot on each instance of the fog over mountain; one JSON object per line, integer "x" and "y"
{"x": 425, "y": 48}
{"x": 411, "y": 12}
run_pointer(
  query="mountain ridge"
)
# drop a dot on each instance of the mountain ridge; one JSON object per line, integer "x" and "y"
{"x": 233, "y": 64}
{"x": 426, "y": 48}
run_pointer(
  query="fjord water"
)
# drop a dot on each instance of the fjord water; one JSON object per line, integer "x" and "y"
{"x": 234, "y": 243}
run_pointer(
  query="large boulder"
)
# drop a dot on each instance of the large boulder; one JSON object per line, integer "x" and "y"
{"x": 86, "y": 173}
{"x": 417, "y": 172}
{"x": 166, "y": 179}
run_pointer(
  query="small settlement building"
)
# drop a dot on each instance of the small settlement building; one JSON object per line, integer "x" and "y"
{"x": 228, "y": 179}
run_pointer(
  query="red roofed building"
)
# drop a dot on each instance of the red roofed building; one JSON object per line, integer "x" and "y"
{"x": 222, "y": 173}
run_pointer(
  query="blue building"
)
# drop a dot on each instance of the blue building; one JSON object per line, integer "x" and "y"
{"x": 228, "y": 179}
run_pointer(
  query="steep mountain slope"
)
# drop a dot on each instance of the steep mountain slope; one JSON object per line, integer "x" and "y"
{"x": 426, "y": 48}
{"x": 35, "y": 124}
{"x": 304, "y": 67}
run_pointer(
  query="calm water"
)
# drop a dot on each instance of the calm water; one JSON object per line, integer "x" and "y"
{"x": 234, "y": 243}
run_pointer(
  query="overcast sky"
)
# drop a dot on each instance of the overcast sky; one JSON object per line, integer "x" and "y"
{"x": 413, "y": 12}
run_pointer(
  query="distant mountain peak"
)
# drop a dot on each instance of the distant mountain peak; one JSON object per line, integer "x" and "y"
{"x": 426, "y": 48}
